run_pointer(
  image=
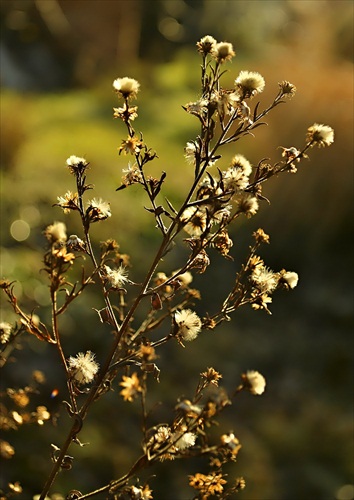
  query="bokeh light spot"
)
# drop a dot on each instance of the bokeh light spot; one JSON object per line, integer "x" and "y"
{"x": 345, "y": 492}
{"x": 30, "y": 214}
{"x": 20, "y": 230}
{"x": 171, "y": 29}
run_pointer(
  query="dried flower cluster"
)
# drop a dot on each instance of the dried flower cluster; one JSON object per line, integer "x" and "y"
{"x": 220, "y": 192}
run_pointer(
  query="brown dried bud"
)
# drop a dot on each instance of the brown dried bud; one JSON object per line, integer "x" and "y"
{"x": 156, "y": 301}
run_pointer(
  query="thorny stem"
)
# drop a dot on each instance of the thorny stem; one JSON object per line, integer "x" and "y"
{"x": 121, "y": 330}
{"x": 147, "y": 461}
{"x": 57, "y": 338}
{"x": 168, "y": 236}
{"x": 140, "y": 164}
{"x": 139, "y": 464}
{"x": 59, "y": 460}
{"x": 283, "y": 168}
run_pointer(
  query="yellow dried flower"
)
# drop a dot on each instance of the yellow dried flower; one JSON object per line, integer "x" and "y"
{"x": 6, "y": 450}
{"x": 261, "y": 301}
{"x": 222, "y": 242}
{"x": 240, "y": 484}
{"x": 41, "y": 414}
{"x": 141, "y": 492}
{"x": 17, "y": 417}
{"x": 260, "y": 236}
{"x": 19, "y": 396}
{"x": 15, "y": 487}
{"x": 147, "y": 352}
{"x": 126, "y": 113}
{"x": 38, "y": 376}
{"x": 131, "y": 387}
{"x": 231, "y": 442}
{"x": 211, "y": 376}
{"x": 132, "y": 145}
{"x": 210, "y": 484}
{"x": 132, "y": 175}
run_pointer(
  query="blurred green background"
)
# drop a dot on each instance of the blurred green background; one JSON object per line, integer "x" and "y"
{"x": 58, "y": 61}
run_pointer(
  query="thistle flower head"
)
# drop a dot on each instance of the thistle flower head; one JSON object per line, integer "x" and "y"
{"x": 188, "y": 324}
{"x": 289, "y": 278}
{"x": 206, "y": 45}
{"x": 162, "y": 435}
{"x": 116, "y": 277}
{"x": 75, "y": 243}
{"x": 195, "y": 221}
{"x": 292, "y": 156}
{"x": 211, "y": 376}
{"x": 131, "y": 145}
{"x": 254, "y": 382}
{"x": 264, "y": 279}
{"x": 223, "y": 51}
{"x": 237, "y": 176}
{"x": 222, "y": 215}
{"x": 287, "y": 89}
{"x": 249, "y": 83}
{"x": 97, "y": 209}
{"x": 260, "y": 301}
{"x": 320, "y": 135}
{"x": 189, "y": 408}
{"x": 126, "y": 87}
{"x": 132, "y": 175}
{"x": 68, "y": 202}
{"x": 83, "y": 367}
{"x": 190, "y": 152}
{"x": 5, "y": 332}
{"x": 248, "y": 204}
{"x": 56, "y": 232}
{"x": 184, "y": 440}
{"x": 76, "y": 163}
{"x": 240, "y": 162}
{"x": 260, "y": 236}
{"x": 185, "y": 278}
{"x": 235, "y": 179}
{"x": 231, "y": 442}
{"x": 223, "y": 243}
{"x": 141, "y": 492}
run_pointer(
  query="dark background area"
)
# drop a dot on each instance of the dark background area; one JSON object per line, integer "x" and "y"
{"x": 58, "y": 60}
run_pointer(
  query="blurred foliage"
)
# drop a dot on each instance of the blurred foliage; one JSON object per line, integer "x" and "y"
{"x": 297, "y": 439}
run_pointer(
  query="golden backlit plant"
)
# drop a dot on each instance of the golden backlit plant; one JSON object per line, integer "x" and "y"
{"x": 220, "y": 192}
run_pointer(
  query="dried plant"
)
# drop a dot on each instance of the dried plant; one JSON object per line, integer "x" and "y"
{"x": 220, "y": 192}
